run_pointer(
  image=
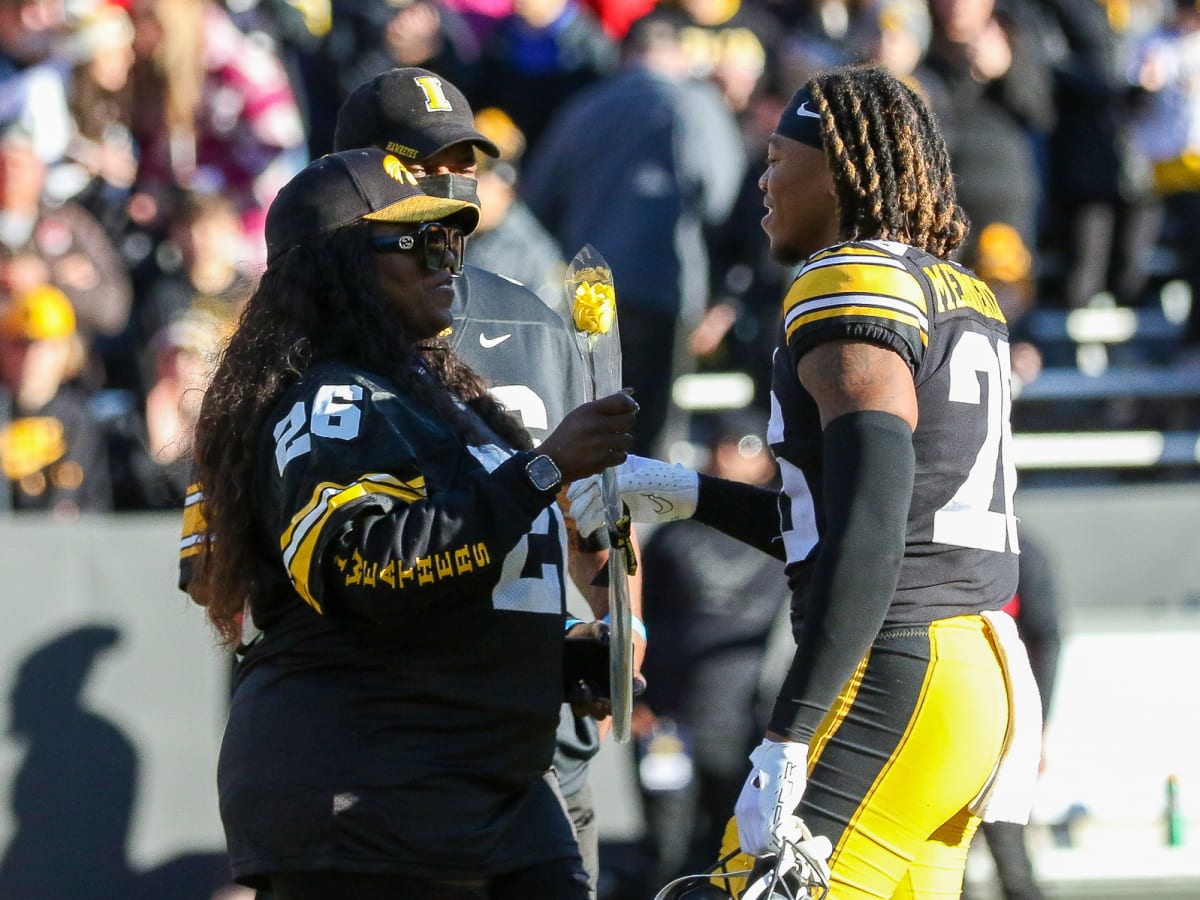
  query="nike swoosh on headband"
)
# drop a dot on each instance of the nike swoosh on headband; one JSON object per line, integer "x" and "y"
{"x": 802, "y": 111}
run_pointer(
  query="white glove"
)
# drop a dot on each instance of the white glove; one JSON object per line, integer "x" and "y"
{"x": 803, "y": 861}
{"x": 809, "y": 854}
{"x": 770, "y": 795}
{"x": 654, "y": 491}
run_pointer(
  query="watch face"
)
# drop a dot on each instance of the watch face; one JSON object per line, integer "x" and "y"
{"x": 544, "y": 473}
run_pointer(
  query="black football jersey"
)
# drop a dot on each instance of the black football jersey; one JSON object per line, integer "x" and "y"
{"x": 961, "y": 543}
{"x": 520, "y": 346}
{"x": 527, "y": 354}
{"x": 412, "y": 602}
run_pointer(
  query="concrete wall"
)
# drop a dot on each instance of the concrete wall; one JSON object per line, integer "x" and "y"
{"x": 112, "y": 698}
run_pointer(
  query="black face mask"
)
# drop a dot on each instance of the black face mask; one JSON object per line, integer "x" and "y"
{"x": 450, "y": 187}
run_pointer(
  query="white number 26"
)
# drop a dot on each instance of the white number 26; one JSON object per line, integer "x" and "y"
{"x": 334, "y": 415}
{"x": 969, "y": 519}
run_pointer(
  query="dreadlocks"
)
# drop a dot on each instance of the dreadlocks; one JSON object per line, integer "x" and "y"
{"x": 317, "y": 302}
{"x": 888, "y": 159}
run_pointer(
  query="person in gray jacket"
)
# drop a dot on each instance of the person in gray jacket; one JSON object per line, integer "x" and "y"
{"x": 639, "y": 165}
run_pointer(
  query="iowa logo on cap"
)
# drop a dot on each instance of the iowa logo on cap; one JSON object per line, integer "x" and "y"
{"x": 434, "y": 94}
{"x": 397, "y": 171}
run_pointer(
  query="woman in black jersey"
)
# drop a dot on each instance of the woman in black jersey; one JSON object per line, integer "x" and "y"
{"x": 398, "y": 548}
{"x": 909, "y": 713}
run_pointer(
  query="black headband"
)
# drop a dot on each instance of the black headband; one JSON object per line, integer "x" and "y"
{"x": 800, "y": 121}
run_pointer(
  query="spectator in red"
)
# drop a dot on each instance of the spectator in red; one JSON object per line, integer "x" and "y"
{"x": 617, "y": 15}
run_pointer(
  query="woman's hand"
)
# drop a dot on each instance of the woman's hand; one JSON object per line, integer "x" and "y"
{"x": 592, "y": 437}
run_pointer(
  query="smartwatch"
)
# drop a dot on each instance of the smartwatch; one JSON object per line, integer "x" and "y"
{"x": 543, "y": 474}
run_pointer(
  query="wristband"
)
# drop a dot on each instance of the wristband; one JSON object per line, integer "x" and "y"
{"x": 639, "y": 627}
{"x": 571, "y": 623}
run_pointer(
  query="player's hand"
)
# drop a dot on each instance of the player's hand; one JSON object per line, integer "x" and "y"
{"x": 770, "y": 795}
{"x": 592, "y": 436}
{"x": 652, "y": 490}
{"x": 809, "y": 854}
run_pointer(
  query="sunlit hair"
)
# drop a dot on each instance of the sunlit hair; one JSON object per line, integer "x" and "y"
{"x": 888, "y": 159}
{"x": 317, "y": 302}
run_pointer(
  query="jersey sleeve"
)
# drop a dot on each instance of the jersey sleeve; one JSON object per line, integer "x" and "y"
{"x": 857, "y": 292}
{"x": 360, "y": 525}
{"x": 191, "y": 538}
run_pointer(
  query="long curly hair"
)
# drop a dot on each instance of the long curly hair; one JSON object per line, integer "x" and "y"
{"x": 889, "y": 161}
{"x": 318, "y": 301}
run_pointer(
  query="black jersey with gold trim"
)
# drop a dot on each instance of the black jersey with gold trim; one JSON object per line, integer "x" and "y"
{"x": 945, "y": 323}
{"x": 412, "y": 605}
{"x": 520, "y": 346}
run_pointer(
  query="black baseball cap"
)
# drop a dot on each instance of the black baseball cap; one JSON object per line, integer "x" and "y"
{"x": 344, "y": 187}
{"x": 411, "y": 112}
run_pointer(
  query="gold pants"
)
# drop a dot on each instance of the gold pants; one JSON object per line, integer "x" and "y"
{"x": 909, "y": 744}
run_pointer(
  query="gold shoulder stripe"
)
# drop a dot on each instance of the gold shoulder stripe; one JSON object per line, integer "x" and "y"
{"x": 873, "y": 312}
{"x": 855, "y": 278}
{"x": 300, "y": 539}
{"x": 850, "y": 251}
{"x": 402, "y": 489}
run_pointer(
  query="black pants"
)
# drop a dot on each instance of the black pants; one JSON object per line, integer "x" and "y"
{"x": 583, "y": 817}
{"x": 562, "y": 879}
{"x": 1006, "y": 840}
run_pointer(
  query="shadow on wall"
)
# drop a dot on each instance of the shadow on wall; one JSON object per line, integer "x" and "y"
{"x": 73, "y": 798}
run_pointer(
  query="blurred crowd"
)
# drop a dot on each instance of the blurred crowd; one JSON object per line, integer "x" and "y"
{"x": 141, "y": 142}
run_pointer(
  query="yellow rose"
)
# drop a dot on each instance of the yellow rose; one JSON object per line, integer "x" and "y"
{"x": 594, "y": 307}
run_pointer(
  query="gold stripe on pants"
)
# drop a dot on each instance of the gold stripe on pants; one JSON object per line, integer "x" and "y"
{"x": 909, "y": 743}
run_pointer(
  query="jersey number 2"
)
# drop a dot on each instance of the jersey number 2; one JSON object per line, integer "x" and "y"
{"x": 970, "y": 519}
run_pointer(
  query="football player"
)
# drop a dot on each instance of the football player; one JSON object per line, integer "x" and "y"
{"x": 909, "y": 712}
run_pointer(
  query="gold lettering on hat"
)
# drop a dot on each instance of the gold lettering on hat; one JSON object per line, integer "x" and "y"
{"x": 401, "y": 150}
{"x": 397, "y": 171}
{"x": 435, "y": 97}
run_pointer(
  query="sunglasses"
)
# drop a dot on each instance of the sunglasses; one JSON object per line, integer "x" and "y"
{"x": 432, "y": 240}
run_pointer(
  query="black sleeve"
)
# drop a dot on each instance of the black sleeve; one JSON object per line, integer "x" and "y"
{"x": 377, "y": 507}
{"x": 391, "y": 555}
{"x": 745, "y": 512}
{"x": 869, "y": 471}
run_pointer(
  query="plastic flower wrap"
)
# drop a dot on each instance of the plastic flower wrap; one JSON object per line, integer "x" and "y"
{"x": 594, "y": 307}
{"x": 593, "y": 302}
